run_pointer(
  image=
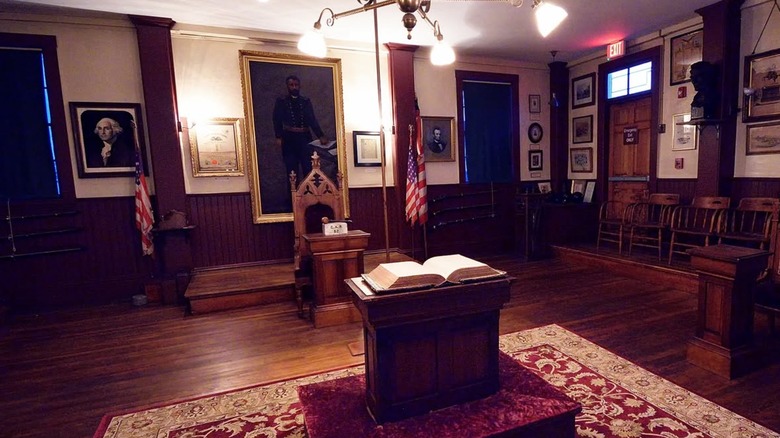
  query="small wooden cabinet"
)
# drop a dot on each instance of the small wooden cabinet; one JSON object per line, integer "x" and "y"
{"x": 334, "y": 259}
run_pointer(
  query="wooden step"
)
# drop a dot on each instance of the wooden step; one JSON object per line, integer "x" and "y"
{"x": 239, "y": 286}
{"x": 234, "y": 287}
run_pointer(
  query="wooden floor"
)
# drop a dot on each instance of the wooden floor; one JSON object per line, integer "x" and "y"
{"x": 60, "y": 372}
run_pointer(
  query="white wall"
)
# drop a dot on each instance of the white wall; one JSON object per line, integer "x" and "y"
{"x": 98, "y": 59}
{"x": 437, "y": 96}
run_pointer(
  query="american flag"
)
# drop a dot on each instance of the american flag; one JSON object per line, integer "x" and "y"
{"x": 411, "y": 185}
{"x": 416, "y": 185}
{"x": 144, "y": 217}
{"x": 422, "y": 183}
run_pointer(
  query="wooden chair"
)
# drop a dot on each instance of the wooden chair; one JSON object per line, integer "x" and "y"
{"x": 314, "y": 198}
{"x": 750, "y": 224}
{"x": 694, "y": 225}
{"x": 612, "y": 221}
{"x": 649, "y": 220}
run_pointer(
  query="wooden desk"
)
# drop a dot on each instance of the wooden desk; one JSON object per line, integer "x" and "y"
{"x": 335, "y": 258}
{"x": 429, "y": 349}
{"x": 724, "y": 325}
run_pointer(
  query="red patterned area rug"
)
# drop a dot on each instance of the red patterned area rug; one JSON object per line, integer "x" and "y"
{"x": 619, "y": 399}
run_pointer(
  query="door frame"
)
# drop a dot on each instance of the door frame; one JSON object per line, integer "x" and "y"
{"x": 603, "y": 106}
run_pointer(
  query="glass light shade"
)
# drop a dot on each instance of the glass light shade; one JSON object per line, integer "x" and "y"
{"x": 548, "y": 17}
{"x": 442, "y": 54}
{"x": 313, "y": 43}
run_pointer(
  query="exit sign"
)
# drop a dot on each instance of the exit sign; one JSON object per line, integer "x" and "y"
{"x": 616, "y": 50}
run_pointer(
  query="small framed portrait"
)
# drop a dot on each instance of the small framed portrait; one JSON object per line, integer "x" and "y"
{"x": 367, "y": 147}
{"x": 545, "y": 187}
{"x": 439, "y": 138}
{"x": 582, "y": 129}
{"x": 762, "y": 87}
{"x": 685, "y": 50}
{"x": 583, "y": 91}
{"x": 763, "y": 139}
{"x": 684, "y": 135}
{"x": 581, "y": 160}
{"x": 106, "y": 136}
{"x": 534, "y": 103}
{"x": 535, "y": 160}
{"x": 217, "y": 147}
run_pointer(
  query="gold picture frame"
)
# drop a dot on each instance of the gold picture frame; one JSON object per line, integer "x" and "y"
{"x": 761, "y": 87}
{"x": 263, "y": 79}
{"x": 684, "y": 50}
{"x": 217, "y": 147}
{"x": 442, "y": 148}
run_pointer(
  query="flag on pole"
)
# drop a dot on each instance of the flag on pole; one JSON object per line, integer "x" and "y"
{"x": 422, "y": 183}
{"x": 144, "y": 217}
{"x": 411, "y": 183}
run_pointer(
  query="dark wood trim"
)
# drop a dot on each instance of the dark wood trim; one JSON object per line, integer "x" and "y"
{"x": 559, "y": 125}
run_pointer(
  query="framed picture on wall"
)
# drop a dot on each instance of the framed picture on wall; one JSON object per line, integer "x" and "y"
{"x": 684, "y": 136}
{"x": 762, "y": 87}
{"x": 368, "y": 151}
{"x": 216, "y": 147}
{"x": 685, "y": 50}
{"x": 105, "y": 138}
{"x": 535, "y": 160}
{"x": 583, "y": 91}
{"x": 581, "y": 160}
{"x": 534, "y": 103}
{"x": 763, "y": 139}
{"x": 582, "y": 129}
{"x": 439, "y": 138}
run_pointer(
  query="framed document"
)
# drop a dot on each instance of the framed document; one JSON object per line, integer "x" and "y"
{"x": 685, "y": 50}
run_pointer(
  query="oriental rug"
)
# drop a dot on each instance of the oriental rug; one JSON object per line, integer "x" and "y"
{"x": 619, "y": 399}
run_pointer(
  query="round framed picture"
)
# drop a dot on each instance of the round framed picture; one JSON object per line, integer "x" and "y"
{"x": 535, "y": 133}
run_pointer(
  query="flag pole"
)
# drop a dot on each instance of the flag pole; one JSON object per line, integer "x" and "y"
{"x": 382, "y": 145}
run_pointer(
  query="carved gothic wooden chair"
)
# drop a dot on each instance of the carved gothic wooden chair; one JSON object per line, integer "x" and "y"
{"x": 695, "y": 225}
{"x": 649, "y": 220}
{"x": 314, "y": 198}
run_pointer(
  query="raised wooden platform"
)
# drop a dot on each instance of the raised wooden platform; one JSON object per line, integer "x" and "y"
{"x": 235, "y": 287}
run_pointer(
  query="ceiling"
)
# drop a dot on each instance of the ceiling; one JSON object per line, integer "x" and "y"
{"x": 492, "y": 28}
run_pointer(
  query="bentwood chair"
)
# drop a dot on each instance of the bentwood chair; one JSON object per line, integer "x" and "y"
{"x": 314, "y": 198}
{"x": 649, "y": 220}
{"x": 695, "y": 225}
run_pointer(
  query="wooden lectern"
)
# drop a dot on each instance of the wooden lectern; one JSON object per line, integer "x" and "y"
{"x": 334, "y": 259}
{"x": 724, "y": 325}
{"x": 429, "y": 349}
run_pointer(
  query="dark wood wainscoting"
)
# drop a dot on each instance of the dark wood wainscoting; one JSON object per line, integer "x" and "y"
{"x": 754, "y": 187}
{"x": 686, "y": 188}
{"x": 108, "y": 266}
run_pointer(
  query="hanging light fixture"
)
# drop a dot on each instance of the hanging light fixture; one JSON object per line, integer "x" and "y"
{"x": 312, "y": 42}
{"x": 548, "y": 16}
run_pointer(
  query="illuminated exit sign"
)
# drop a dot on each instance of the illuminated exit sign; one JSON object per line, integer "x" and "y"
{"x": 616, "y": 50}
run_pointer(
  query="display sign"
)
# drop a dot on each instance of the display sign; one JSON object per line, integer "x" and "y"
{"x": 616, "y": 50}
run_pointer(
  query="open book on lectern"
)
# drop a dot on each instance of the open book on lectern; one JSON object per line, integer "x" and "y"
{"x": 436, "y": 271}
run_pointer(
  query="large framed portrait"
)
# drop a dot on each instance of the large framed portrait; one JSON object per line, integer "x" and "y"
{"x": 216, "y": 147}
{"x": 105, "y": 138}
{"x": 685, "y": 50}
{"x": 293, "y": 107}
{"x": 762, "y": 87}
{"x": 583, "y": 91}
{"x": 439, "y": 138}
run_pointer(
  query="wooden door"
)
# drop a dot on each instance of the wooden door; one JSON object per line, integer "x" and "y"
{"x": 629, "y": 151}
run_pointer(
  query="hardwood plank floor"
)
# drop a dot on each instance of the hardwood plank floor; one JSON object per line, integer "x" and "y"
{"x": 60, "y": 372}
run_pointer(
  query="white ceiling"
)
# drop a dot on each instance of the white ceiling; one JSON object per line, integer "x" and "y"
{"x": 473, "y": 27}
